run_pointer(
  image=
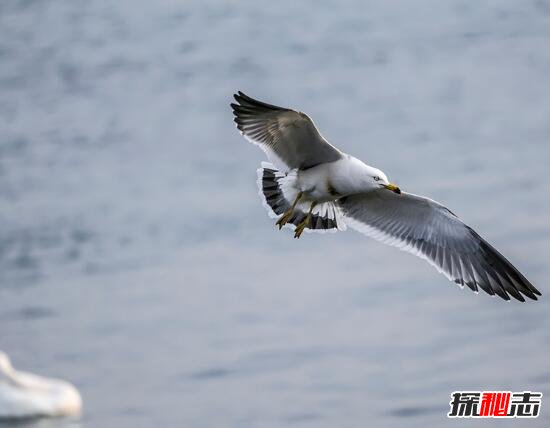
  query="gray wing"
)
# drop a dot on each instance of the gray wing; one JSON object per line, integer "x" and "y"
{"x": 429, "y": 230}
{"x": 287, "y": 136}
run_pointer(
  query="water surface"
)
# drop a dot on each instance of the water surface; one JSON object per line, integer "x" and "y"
{"x": 137, "y": 261}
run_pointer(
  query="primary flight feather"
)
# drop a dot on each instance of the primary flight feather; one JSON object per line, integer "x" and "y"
{"x": 312, "y": 185}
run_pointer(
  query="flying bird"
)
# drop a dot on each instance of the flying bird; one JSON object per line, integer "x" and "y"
{"x": 311, "y": 185}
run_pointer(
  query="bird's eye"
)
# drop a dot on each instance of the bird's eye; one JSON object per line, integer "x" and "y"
{"x": 376, "y": 178}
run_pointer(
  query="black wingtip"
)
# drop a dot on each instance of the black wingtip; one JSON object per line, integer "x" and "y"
{"x": 505, "y": 275}
{"x": 241, "y": 97}
{"x": 534, "y": 290}
{"x": 249, "y": 102}
{"x": 519, "y": 297}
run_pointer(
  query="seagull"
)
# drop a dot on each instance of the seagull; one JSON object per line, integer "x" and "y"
{"x": 25, "y": 395}
{"x": 311, "y": 185}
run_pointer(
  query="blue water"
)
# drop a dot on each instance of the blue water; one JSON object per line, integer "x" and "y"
{"x": 137, "y": 261}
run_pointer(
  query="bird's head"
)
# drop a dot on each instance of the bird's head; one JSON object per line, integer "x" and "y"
{"x": 367, "y": 178}
{"x": 378, "y": 179}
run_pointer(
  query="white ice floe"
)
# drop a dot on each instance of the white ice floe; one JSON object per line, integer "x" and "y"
{"x": 25, "y": 395}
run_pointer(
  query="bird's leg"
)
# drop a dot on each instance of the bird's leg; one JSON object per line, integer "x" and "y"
{"x": 288, "y": 213}
{"x": 305, "y": 222}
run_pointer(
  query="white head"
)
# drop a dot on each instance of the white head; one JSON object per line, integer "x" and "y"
{"x": 373, "y": 178}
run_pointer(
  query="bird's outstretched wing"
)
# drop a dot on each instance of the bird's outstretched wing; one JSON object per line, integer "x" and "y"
{"x": 288, "y": 137}
{"x": 429, "y": 230}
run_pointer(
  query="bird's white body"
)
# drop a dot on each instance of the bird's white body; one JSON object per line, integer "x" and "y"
{"x": 332, "y": 180}
{"x": 25, "y": 395}
{"x": 312, "y": 185}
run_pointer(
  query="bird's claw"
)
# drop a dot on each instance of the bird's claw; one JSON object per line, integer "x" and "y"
{"x": 301, "y": 227}
{"x": 283, "y": 219}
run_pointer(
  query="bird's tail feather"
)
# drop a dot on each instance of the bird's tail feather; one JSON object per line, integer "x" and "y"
{"x": 277, "y": 190}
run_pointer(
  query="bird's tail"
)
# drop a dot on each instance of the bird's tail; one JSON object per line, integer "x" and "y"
{"x": 278, "y": 192}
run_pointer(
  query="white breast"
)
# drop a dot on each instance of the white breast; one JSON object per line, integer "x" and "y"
{"x": 351, "y": 176}
{"x": 331, "y": 180}
{"x": 315, "y": 183}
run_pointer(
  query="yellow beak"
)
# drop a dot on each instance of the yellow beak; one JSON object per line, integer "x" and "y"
{"x": 393, "y": 188}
